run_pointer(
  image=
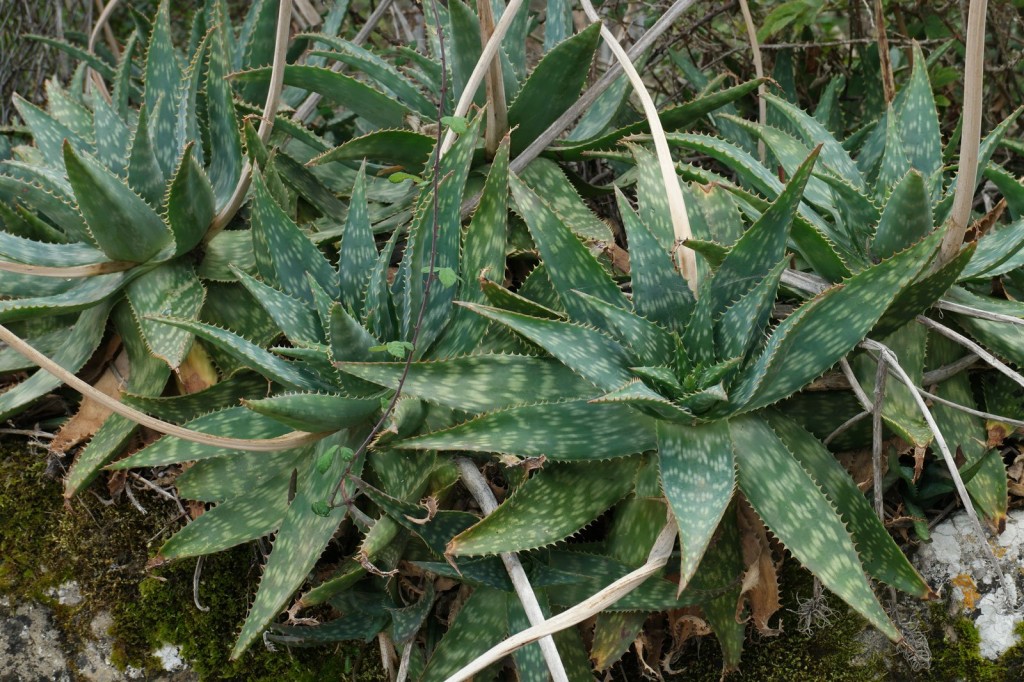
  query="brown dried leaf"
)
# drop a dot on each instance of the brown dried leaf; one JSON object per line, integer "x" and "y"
{"x": 760, "y": 581}
{"x": 91, "y": 415}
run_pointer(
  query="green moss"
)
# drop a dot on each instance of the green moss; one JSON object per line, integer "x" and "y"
{"x": 826, "y": 655}
{"x": 104, "y": 548}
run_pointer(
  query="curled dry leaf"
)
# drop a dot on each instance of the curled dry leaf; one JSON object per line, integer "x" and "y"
{"x": 91, "y": 415}
{"x": 760, "y": 580}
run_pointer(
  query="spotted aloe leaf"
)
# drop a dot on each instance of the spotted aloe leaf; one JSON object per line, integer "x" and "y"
{"x": 182, "y": 408}
{"x": 26, "y": 250}
{"x": 659, "y": 293}
{"x": 999, "y": 251}
{"x": 49, "y": 134}
{"x": 569, "y": 431}
{"x": 464, "y": 32}
{"x": 882, "y": 558}
{"x": 225, "y": 142}
{"x": 547, "y": 180}
{"x": 223, "y": 478}
{"x": 555, "y": 503}
{"x": 147, "y": 376}
{"x": 172, "y": 289}
{"x": 649, "y": 343}
{"x": 698, "y": 473}
{"x": 436, "y": 246}
{"x": 144, "y": 173}
{"x": 483, "y": 256}
{"x": 967, "y": 435}
{"x": 301, "y": 539}
{"x": 477, "y": 383}
{"x": 251, "y": 515}
{"x": 234, "y": 422}
{"x": 366, "y": 101}
{"x": 907, "y": 217}
{"x": 354, "y": 625}
{"x": 833, "y": 155}
{"x": 801, "y": 516}
{"x": 249, "y": 354}
{"x": 163, "y": 80}
{"x": 825, "y": 329}
{"x": 586, "y": 351}
{"x": 190, "y": 202}
{"x": 899, "y": 409}
{"x": 918, "y": 120}
{"x": 81, "y": 294}
{"x": 72, "y": 355}
{"x": 637, "y": 394}
{"x": 894, "y": 163}
{"x": 406, "y": 148}
{"x": 741, "y": 327}
{"x": 284, "y": 255}
{"x": 315, "y": 412}
{"x": 357, "y": 251}
{"x": 124, "y": 226}
{"x": 637, "y": 523}
{"x": 292, "y": 316}
{"x": 436, "y": 529}
{"x": 552, "y": 87}
{"x": 481, "y": 623}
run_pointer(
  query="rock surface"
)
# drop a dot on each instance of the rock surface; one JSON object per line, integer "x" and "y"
{"x": 32, "y": 649}
{"x": 955, "y": 560}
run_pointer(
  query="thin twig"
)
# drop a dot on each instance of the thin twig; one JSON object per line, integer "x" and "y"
{"x": 845, "y": 426}
{"x": 755, "y": 49}
{"x": 284, "y": 21}
{"x": 970, "y": 137}
{"x": 992, "y": 360}
{"x": 881, "y": 374}
{"x": 434, "y": 234}
{"x": 159, "y": 491}
{"x": 91, "y": 270}
{"x": 131, "y": 498}
{"x": 978, "y": 313}
{"x": 488, "y": 57}
{"x": 195, "y": 584}
{"x": 591, "y": 606}
{"x": 403, "y": 665}
{"x": 285, "y": 442}
{"x": 686, "y": 258}
{"x": 387, "y": 655}
{"x": 855, "y": 386}
{"x": 937, "y": 376}
{"x": 481, "y": 492}
{"x": 893, "y": 362}
{"x": 971, "y": 411}
{"x": 308, "y": 106}
{"x": 888, "y": 84}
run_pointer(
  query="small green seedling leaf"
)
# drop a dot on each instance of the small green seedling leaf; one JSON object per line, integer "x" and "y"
{"x": 397, "y": 348}
{"x": 458, "y": 124}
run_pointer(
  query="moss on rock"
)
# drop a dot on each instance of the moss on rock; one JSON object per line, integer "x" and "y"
{"x": 105, "y": 547}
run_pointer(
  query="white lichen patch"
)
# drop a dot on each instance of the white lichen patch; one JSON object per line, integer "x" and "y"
{"x": 170, "y": 658}
{"x": 67, "y": 594}
{"x": 955, "y": 560}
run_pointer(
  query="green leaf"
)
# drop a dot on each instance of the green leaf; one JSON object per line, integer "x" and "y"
{"x": 476, "y": 383}
{"x": 144, "y": 173}
{"x": 907, "y": 217}
{"x": 918, "y": 120}
{"x": 81, "y": 295}
{"x": 350, "y": 341}
{"x": 284, "y": 255}
{"x": 249, "y": 354}
{"x": 481, "y": 623}
{"x": 225, "y": 142}
{"x": 181, "y": 408}
{"x": 227, "y": 251}
{"x": 569, "y": 431}
{"x": 833, "y": 156}
{"x": 146, "y": 376}
{"x": 72, "y": 355}
{"x": 190, "y": 203}
{"x": 826, "y": 328}
{"x": 999, "y": 251}
{"x": 354, "y": 625}
{"x": 800, "y": 515}
{"x": 31, "y": 252}
{"x": 252, "y": 515}
{"x": 649, "y": 343}
{"x": 698, "y": 473}
{"x": 315, "y": 412}
{"x": 299, "y": 543}
{"x": 124, "y": 226}
{"x": 894, "y": 163}
{"x": 882, "y": 558}
{"x": 357, "y": 251}
{"x": 741, "y": 327}
{"x": 292, "y": 316}
{"x": 569, "y": 263}
{"x": 163, "y": 80}
{"x": 49, "y": 134}
{"x": 405, "y": 148}
{"x": 112, "y": 138}
{"x": 547, "y": 180}
{"x": 171, "y": 290}
{"x": 672, "y": 118}
{"x": 556, "y": 502}
{"x": 659, "y": 292}
{"x": 586, "y": 351}
{"x": 367, "y": 102}
{"x": 553, "y": 86}
{"x": 224, "y": 478}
